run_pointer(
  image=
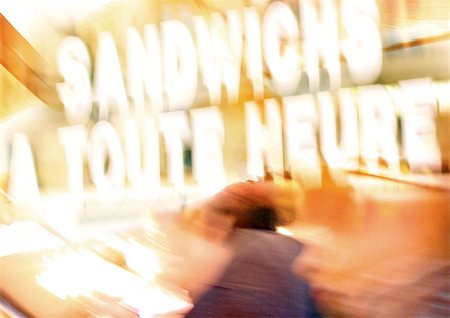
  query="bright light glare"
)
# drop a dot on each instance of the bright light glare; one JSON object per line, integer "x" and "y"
{"x": 24, "y": 236}
{"x": 284, "y": 231}
{"x": 139, "y": 258}
{"x": 143, "y": 260}
{"x": 75, "y": 273}
{"x": 80, "y": 272}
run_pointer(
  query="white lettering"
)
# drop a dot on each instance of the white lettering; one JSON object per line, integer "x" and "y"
{"x": 23, "y": 185}
{"x": 273, "y": 136}
{"x": 209, "y": 67}
{"x": 253, "y": 59}
{"x": 207, "y": 149}
{"x": 175, "y": 129}
{"x": 283, "y": 60}
{"x": 378, "y": 128}
{"x": 144, "y": 68}
{"x": 419, "y": 125}
{"x": 254, "y": 140}
{"x": 142, "y": 158}
{"x": 219, "y": 50}
{"x": 321, "y": 38}
{"x": 349, "y": 128}
{"x": 75, "y": 93}
{"x": 74, "y": 141}
{"x": 106, "y": 162}
{"x": 180, "y": 65}
{"x": 300, "y": 122}
{"x": 109, "y": 87}
{"x": 362, "y": 49}
{"x": 231, "y": 57}
{"x": 328, "y": 139}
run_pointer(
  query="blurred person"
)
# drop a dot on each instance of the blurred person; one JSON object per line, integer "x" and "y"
{"x": 256, "y": 280}
{"x": 378, "y": 255}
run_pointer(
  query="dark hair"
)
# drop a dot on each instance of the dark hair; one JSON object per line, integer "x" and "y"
{"x": 260, "y": 218}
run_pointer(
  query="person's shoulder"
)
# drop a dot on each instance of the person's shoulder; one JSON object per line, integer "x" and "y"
{"x": 264, "y": 237}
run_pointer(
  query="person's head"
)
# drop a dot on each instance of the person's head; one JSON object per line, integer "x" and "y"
{"x": 249, "y": 205}
{"x": 261, "y": 218}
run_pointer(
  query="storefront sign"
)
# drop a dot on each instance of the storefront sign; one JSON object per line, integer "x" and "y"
{"x": 116, "y": 118}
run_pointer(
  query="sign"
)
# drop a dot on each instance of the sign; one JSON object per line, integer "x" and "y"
{"x": 138, "y": 120}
